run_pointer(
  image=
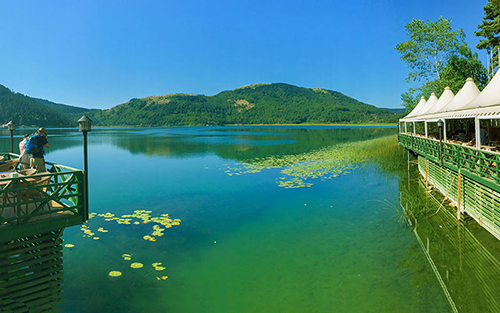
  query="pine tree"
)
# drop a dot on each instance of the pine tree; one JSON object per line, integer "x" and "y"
{"x": 489, "y": 29}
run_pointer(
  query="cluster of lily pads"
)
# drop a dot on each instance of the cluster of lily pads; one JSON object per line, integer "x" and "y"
{"x": 157, "y": 266}
{"x": 139, "y": 217}
{"x": 300, "y": 169}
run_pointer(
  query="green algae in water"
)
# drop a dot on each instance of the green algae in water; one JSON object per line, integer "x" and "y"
{"x": 245, "y": 244}
{"x": 302, "y": 169}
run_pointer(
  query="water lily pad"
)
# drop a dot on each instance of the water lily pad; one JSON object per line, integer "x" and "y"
{"x": 136, "y": 265}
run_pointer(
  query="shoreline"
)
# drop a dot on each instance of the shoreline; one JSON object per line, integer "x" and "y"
{"x": 227, "y": 125}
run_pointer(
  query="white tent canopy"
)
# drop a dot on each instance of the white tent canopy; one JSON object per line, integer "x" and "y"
{"x": 445, "y": 98}
{"x": 468, "y": 92}
{"x": 430, "y": 103}
{"x": 468, "y": 103}
{"x": 490, "y": 96}
{"x": 416, "y": 109}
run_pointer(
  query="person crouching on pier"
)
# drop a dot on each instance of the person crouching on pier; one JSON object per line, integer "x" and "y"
{"x": 37, "y": 160}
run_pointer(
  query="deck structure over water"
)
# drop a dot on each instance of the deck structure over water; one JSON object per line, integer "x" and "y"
{"x": 34, "y": 211}
{"x": 457, "y": 141}
{"x": 469, "y": 177}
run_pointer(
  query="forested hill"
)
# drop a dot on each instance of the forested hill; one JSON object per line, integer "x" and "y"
{"x": 255, "y": 104}
{"x": 72, "y": 113}
{"x": 23, "y": 110}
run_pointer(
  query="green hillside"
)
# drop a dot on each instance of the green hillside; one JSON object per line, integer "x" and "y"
{"x": 72, "y": 113}
{"x": 26, "y": 111}
{"x": 256, "y": 104}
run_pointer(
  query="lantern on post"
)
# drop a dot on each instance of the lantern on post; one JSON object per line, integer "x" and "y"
{"x": 85, "y": 125}
{"x": 11, "y": 127}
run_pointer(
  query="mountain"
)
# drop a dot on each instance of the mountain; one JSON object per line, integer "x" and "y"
{"x": 276, "y": 103}
{"x": 26, "y": 111}
{"x": 72, "y": 113}
{"x": 398, "y": 110}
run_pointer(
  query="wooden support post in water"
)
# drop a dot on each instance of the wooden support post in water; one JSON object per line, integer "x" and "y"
{"x": 458, "y": 194}
{"x": 408, "y": 169}
{"x": 426, "y": 174}
{"x": 408, "y": 153}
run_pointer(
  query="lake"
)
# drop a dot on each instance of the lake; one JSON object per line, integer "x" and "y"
{"x": 241, "y": 219}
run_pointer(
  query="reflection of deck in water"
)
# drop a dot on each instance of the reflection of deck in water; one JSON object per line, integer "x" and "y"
{"x": 34, "y": 211}
{"x": 468, "y": 271}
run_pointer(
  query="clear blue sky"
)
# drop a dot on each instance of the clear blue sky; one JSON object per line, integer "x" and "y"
{"x": 100, "y": 53}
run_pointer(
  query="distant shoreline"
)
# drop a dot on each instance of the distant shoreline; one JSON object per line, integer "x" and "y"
{"x": 228, "y": 125}
{"x": 322, "y": 124}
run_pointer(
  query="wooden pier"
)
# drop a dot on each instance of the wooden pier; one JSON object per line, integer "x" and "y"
{"x": 34, "y": 211}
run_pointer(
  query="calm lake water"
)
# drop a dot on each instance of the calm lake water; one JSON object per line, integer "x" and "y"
{"x": 246, "y": 242}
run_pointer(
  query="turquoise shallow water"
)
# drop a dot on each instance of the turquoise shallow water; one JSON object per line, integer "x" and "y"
{"x": 244, "y": 244}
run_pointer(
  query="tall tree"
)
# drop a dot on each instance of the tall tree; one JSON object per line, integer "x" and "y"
{"x": 462, "y": 66}
{"x": 438, "y": 57}
{"x": 431, "y": 45}
{"x": 489, "y": 29}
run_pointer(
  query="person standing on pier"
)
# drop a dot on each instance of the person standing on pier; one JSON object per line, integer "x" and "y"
{"x": 24, "y": 158}
{"x": 37, "y": 160}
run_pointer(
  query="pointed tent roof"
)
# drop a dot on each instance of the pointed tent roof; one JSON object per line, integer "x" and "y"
{"x": 454, "y": 108}
{"x": 466, "y": 103}
{"x": 490, "y": 95}
{"x": 445, "y": 98}
{"x": 430, "y": 103}
{"x": 468, "y": 93}
{"x": 419, "y": 106}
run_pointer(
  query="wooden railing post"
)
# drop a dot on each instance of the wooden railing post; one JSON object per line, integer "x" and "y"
{"x": 440, "y": 149}
{"x": 459, "y": 159}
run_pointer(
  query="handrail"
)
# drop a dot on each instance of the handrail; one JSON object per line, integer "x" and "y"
{"x": 40, "y": 198}
{"x": 480, "y": 165}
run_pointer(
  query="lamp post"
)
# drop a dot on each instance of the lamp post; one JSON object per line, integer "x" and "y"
{"x": 11, "y": 127}
{"x": 85, "y": 125}
{"x": 440, "y": 130}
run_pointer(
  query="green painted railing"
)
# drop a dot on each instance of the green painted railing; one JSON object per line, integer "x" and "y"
{"x": 42, "y": 202}
{"x": 480, "y": 165}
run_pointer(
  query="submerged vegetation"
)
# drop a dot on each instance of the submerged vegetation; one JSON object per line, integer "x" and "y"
{"x": 384, "y": 154}
{"x": 303, "y": 169}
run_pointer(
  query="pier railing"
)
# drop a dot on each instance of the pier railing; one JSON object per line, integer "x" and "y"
{"x": 42, "y": 202}
{"x": 480, "y": 165}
